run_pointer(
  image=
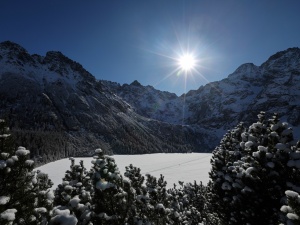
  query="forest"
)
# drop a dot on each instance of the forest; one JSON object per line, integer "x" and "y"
{"x": 254, "y": 179}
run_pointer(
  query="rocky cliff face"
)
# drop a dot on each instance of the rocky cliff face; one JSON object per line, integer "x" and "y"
{"x": 54, "y": 103}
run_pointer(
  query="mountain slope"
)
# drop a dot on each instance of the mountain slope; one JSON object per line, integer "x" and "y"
{"x": 56, "y": 108}
{"x": 272, "y": 87}
{"x": 218, "y": 106}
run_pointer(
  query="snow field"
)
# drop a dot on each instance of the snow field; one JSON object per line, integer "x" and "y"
{"x": 173, "y": 166}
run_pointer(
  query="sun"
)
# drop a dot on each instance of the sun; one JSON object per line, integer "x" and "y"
{"x": 187, "y": 62}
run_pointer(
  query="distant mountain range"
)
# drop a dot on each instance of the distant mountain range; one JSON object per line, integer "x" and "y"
{"x": 57, "y": 108}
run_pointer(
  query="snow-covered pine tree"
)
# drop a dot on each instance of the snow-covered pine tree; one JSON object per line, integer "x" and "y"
{"x": 270, "y": 146}
{"x": 25, "y": 197}
{"x": 110, "y": 199}
{"x": 253, "y": 186}
{"x": 75, "y": 193}
{"x": 196, "y": 198}
{"x": 44, "y": 198}
{"x": 158, "y": 203}
{"x": 292, "y": 209}
{"x": 249, "y": 201}
{"x": 136, "y": 213}
{"x": 219, "y": 192}
{"x": 187, "y": 203}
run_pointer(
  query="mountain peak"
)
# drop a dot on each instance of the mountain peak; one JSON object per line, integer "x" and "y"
{"x": 15, "y": 53}
{"x": 136, "y": 83}
{"x": 58, "y": 61}
{"x": 11, "y": 47}
{"x": 284, "y": 53}
{"x": 245, "y": 67}
{"x": 289, "y": 58}
{"x": 246, "y": 70}
{"x": 56, "y": 56}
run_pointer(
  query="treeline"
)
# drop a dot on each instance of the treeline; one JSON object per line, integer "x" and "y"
{"x": 48, "y": 146}
{"x": 254, "y": 179}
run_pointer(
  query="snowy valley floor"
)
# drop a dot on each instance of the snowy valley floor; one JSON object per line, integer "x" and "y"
{"x": 173, "y": 166}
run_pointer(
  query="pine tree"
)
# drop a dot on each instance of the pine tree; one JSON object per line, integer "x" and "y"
{"x": 135, "y": 190}
{"x": 292, "y": 209}
{"x": 25, "y": 197}
{"x": 270, "y": 146}
{"x": 225, "y": 160}
{"x": 187, "y": 203}
{"x": 157, "y": 204}
{"x": 75, "y": 193}
{"x": 111, "y": 200}
{"x": 250, "y": 188}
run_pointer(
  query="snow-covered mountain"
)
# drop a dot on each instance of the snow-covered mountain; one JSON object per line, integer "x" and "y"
{"x": 56, "y": 109}
{"x": 62, "y": 107}
{"x": 218, "y": 106}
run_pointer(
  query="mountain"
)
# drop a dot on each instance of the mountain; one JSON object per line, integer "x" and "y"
{"x": 56, "y": 108}
{"x": 273, "y": 87}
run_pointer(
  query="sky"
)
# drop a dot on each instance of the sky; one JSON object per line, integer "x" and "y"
{"x": 127, "y": 40}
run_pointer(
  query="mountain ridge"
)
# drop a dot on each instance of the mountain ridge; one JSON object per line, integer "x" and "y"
{"x": 250, "y": 82}
{"x": 54, "y": 96}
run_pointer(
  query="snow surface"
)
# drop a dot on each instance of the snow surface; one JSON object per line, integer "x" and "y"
{"x": 4, "y": 200}
{"x": 173, "y": 166}
{"x": 8, "y": 214}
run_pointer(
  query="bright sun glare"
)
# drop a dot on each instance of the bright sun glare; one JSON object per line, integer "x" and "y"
{"x": 187, "y": 62}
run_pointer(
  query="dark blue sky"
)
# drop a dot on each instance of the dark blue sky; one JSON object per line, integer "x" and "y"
{"x": 127, "y": 40}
